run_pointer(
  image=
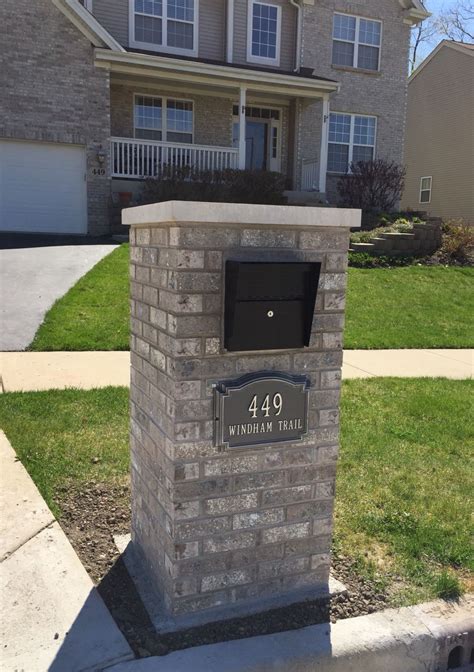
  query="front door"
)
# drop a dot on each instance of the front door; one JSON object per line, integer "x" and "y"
{"x": 256, "y": 139}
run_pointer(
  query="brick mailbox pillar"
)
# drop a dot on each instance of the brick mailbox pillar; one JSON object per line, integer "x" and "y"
{"x": 233, "y": 514}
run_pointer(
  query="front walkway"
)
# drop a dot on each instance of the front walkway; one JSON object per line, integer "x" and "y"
{"x": 25, "y": 371}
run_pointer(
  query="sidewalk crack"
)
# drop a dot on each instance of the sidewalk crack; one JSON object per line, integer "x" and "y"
{"x": 9, "y": 554}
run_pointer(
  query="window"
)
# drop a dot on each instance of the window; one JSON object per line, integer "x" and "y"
{"x": 163, "y": 119}
{"x": 166, "y": 25}
{"x": 351, "y": 139}
{"x": 356, "y": 42}
{"x": 425, "y": 189}
{"x": 263, "y": 38}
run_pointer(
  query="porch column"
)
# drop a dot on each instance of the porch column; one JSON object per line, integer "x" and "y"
{"x": 323, "y": 161}
{"x": 242, "y": 121}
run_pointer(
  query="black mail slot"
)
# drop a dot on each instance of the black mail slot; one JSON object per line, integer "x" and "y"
{"x": 269, "y": 305}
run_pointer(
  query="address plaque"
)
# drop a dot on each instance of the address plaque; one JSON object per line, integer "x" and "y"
{"x": 260, "y": 408}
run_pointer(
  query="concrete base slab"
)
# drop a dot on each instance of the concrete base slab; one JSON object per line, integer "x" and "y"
{"x": 413, "y": 639}
{"x": 164, "y": 623}
{"x": 23, "y": 371}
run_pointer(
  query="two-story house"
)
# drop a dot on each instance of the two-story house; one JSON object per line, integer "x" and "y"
{"x": 97, "y": 96}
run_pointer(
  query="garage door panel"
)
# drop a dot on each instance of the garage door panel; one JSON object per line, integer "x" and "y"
{"x": 42, "y": 188}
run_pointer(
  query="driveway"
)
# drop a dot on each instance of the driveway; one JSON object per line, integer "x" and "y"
{"x": 34, "y": 272}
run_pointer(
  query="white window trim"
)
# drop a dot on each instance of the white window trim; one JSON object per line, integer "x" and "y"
{"x": 261, "y": 59}
{"x": 430, "y": 178}
{"x": 351, "y": 139}
{"x": 164, "y": 117}
{"x": 163, "y": 47}
{"x": 357, "y": 42}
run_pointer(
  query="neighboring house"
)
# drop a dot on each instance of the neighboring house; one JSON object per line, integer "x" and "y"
{"x": 97, "y": 97}
{"x": 439, "y": 145}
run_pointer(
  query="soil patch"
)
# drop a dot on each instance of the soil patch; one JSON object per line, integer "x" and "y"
{"x": 92, "y": 516}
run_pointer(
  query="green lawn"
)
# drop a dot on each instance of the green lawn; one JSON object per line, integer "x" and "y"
{"x": 405, "y": 482}
{"x": 94, "y": 314}
{"x": 409, "y": 307}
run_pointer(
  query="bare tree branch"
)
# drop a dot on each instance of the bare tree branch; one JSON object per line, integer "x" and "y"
{"x": 457, "y": 23}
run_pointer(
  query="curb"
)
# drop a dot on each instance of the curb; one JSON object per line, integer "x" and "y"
{"x": 422, "y": 638}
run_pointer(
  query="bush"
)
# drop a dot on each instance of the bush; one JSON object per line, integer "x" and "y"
{"x": 228, "y": 186}
{"x": 372, "y": 186}
{"x": 366, "y": 260}
{"x": 457, "y": 242}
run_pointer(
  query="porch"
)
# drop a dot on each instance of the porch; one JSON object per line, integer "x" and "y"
{"x": 168, "y": 114}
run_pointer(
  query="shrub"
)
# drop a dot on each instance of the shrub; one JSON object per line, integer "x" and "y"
{"x": 228, "y": 186}
{"x": 372, "y": 185}
{"x": 366, "y": 260}
{"x": 457, "y": 242}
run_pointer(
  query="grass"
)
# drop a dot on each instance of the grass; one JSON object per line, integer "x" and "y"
{"x": 94, "y": 314}
{"x": 409, "y": 307}
{"x": 405, "y": 483}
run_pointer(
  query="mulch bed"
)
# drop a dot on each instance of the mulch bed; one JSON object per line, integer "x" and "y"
{"x": 92, "y": 516}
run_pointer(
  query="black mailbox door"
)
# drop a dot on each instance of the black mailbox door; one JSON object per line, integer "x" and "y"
{"x": 269, "y": 306}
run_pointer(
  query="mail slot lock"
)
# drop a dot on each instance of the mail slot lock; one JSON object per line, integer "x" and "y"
{"x": 269, "y": 305}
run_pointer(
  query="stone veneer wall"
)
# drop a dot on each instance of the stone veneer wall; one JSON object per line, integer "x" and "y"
{"x": 215, "y": 528}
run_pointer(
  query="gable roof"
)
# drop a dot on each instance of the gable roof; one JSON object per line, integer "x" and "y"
{"x": 87, "y": 24}
{"x": 449, "y": 44}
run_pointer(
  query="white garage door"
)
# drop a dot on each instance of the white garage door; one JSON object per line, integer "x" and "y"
{"x": 42, "y": 187}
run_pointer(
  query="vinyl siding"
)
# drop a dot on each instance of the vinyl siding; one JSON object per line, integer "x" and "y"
{"x": 440, "y": 136}
{"x": 288, "y": 33}
{"x": 113, "y": 15}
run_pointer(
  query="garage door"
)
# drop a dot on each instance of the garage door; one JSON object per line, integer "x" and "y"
{"x": 42, "y": 188}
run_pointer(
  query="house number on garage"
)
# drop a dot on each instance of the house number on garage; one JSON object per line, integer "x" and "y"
{"x": 260, "y": 408}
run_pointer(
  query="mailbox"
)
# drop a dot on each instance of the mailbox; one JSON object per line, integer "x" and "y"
{"x": 269, "y": 305}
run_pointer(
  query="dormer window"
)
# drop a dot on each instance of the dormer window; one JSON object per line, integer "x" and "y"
{"x": 164, "y": 25}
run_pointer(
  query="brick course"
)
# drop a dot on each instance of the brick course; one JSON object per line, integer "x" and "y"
{"x": 258, "y": 518}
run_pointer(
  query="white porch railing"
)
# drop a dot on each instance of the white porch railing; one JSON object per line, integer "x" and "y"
{"x": 310, "y": 175}
{"x": 145, "y": 158}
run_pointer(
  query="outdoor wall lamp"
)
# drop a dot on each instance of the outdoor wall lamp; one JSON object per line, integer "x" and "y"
{"x": 101, "y": 156}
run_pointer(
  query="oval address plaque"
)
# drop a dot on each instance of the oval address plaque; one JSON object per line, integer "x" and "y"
{"x": 260, "y": 408}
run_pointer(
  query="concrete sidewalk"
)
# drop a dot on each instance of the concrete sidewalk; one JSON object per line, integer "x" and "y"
{"x": 51, "y": 618}
{"x": 24, "y": 371}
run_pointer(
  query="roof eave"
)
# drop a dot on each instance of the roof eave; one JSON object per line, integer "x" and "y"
{"x": 217, "y": 75}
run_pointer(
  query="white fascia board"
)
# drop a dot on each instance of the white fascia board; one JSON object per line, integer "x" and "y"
{"x": 213, "y": 75}
{"x": 87, "y": 24}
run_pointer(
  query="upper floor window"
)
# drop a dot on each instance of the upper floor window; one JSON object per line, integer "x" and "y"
{"x": 264, "y": 27}
{"x": 164, "y": 25}
{"x": 351, "y": 139}
{"x": 165, "y": 119}
{"x": 356, "y": 42}
{"x": 425, "y": 189}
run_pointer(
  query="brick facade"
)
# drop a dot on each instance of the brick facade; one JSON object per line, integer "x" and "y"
{"x": 52, "y": 91}
{"x": 382, "y": 94}
{"x": 215, "y": 528}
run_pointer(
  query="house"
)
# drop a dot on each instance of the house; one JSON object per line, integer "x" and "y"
{"x": 97, "y": 96}
{"x": 439, "y": 148}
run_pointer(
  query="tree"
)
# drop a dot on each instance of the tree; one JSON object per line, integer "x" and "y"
{"x": 457, "y": 22}
{"x": 372, "y": 186}
{"x": 422, "y": 35}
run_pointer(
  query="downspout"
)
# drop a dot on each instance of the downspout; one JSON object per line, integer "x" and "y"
{"x": 296, "y": 4}
{"x": 230, "y": 32}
